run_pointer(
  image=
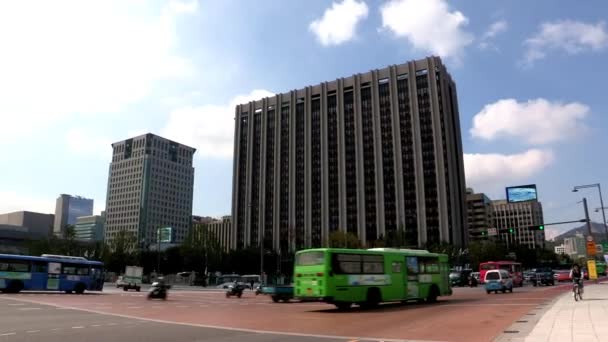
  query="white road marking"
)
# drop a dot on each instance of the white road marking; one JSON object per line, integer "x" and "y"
{"x": 55, "y": 329}
{"x": 8, "y": 334}
{"x": 26, "y": 309}
{"x": 134, "y": 307}
{"x": 16, "y": 304}
{"x": 182, "y": 306}
{"x": 96, "y": 325}
{"x": 78, "y": 327}
{"x": 32, "y": 331}
{"x": 112, "y": 324}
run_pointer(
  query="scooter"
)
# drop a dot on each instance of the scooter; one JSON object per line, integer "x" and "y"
{"x": 235, "y": 291}
{"x": 158, "y": 291}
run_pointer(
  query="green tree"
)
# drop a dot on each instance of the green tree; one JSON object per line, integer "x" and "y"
{"x": 339, "y": 239}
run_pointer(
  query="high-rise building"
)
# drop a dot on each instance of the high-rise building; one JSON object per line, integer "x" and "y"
{"x": 150, "y": 186}
{"x": 519, "y": 216}
{"x": 561, "y": 249}
{"x": 67, "y": 209}
{"x": 368, "y": 154}
{"x": 479, "y": 215}
{"x": 90, "y": 228}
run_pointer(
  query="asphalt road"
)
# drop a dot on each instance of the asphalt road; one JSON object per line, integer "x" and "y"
{"x": 23, "y": 321}
{"x": 469, "y": 315}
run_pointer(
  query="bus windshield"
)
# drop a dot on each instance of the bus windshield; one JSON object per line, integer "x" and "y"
{"x": 310, "y": 258}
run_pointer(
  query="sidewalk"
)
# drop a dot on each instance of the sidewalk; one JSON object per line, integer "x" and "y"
{"x": 582, "y": 321}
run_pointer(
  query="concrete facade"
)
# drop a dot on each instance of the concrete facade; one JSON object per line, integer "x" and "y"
{"x": 519, "y": 216}
{"x": 367, "y": 154}
{"x": 480, "y": 216}
{"x": 38, "y": 225}
{"x": 222, "y": 229}
{"x": 150, "y": 186}
{"x": 67, "y": 209}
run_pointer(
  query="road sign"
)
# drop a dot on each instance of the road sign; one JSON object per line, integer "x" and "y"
{"x": 492, "y": 231}
{"x": 591, "y": 250}
{"x": 591, "y": 269}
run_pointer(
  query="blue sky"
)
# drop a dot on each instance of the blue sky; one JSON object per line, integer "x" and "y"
{"x": 76, "y": 76}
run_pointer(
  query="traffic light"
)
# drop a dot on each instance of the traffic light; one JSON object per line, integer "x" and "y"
{"x": 507, "y": 231}
{"x": 537, "y": 227}
{"x": 480, "y": 233}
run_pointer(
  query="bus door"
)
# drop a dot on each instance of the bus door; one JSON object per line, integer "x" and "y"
{"x": 53, "y": 276}
{"x": 413, "y": 269}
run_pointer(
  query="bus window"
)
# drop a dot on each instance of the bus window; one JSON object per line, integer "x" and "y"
{"x": 14, "y": 266}
{"x": 429, "y": 265}
{"x": 310, "y": 258}
{"x": 488, "y": 267}
{"x": 39, "y": 267}
{"x": 347, "y": 263}
{"x": 373, "y": 264}
{"x": 412, "y": 265}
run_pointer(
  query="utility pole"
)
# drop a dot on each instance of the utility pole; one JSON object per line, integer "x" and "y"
{"x": 587, "y": 217}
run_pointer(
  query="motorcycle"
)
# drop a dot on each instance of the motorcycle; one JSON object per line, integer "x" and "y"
{"x": 472, "y": 282}
{"x": 158, "y": 291}
{"x": 235, "y": 290}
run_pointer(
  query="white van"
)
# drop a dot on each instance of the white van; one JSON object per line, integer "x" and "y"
{"x": 498, "y": 280}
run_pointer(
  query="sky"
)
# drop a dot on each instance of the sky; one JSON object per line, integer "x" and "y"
{"x": 77, "y": 75}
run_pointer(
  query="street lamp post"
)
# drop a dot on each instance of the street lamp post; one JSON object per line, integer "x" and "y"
{"x": 599, "y": 189}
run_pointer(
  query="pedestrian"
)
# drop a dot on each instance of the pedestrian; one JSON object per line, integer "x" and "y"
{"x": 251, "y": 282}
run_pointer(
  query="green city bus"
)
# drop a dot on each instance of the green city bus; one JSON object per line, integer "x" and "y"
{"x": 368, "y": 277}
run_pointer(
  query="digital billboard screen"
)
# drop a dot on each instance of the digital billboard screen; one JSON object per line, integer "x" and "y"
{"x": 522, "y": 193}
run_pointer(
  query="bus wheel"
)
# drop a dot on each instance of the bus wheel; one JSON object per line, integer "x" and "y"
{"x": 343, "y": 305}
{"x": 79, "y": 288}
{"x": 14, "y": 286}
{"x": 433, "y": 294}
{"x": 373, "y": 298}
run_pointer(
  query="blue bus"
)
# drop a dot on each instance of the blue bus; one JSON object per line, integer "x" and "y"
{"x": 49, "y": 273}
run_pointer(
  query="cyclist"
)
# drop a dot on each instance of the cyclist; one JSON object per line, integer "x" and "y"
{"x": 577, "y": 276}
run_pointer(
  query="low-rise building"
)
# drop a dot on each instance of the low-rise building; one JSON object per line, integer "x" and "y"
{"x": 90, "y": 228}
{"x": 38, "y": 224}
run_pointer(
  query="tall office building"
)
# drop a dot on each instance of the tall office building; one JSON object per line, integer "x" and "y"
{"x": 480, "y": 216}
{"x": 150, "y": 187}
{"x": 67, "y": 209}
{"x": 367, "y": 154}
{"x": 519, "y": 216}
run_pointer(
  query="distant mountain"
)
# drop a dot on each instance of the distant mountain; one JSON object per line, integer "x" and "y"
{"x": 599, "y": 233}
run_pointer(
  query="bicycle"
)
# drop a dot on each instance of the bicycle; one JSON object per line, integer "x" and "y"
{"x": 576, "y": 290}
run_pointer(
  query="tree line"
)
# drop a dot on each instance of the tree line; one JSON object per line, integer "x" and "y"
{"x": 201, "y": 252}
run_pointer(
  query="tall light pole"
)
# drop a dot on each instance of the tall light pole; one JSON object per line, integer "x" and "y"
{"x": 599, "y": 189}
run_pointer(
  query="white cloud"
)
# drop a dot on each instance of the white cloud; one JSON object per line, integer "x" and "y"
{"x": 494, "y": 29}
{"x": 209, "y": 128}
{"x": 487, "y": 172}
{"x": 573, "y": 37}
{"x": 90, "y": 143}
{"x": 339, "y": 23}
{"x": 12, "y": 201}
{"x": 70, "y": 57}
{"x": 428, "y": 25}
{"x": 537, "y": 121}
{"x": 183, "y": 7}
